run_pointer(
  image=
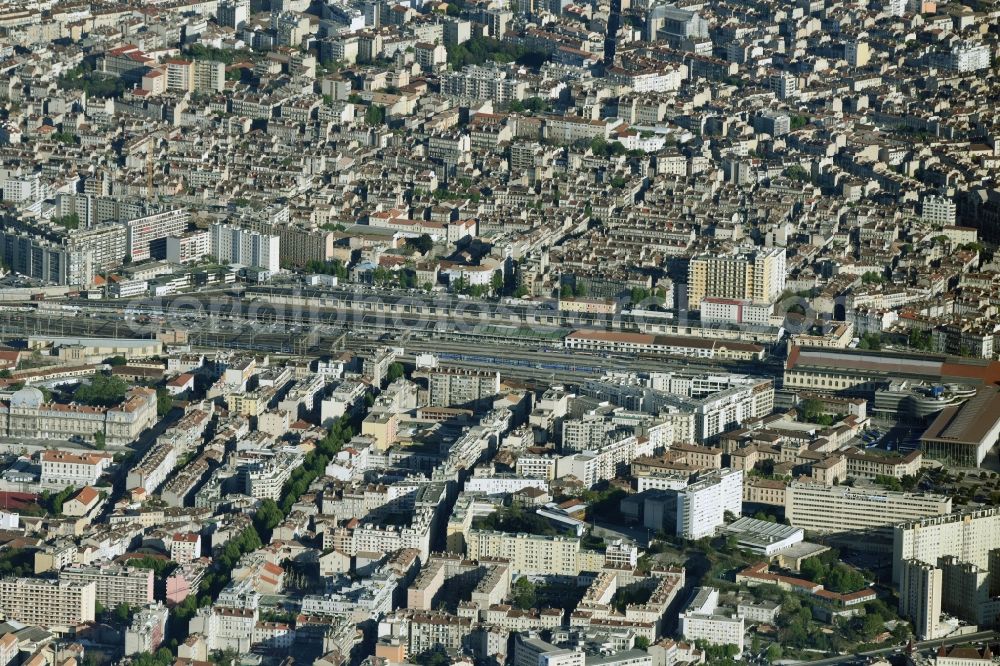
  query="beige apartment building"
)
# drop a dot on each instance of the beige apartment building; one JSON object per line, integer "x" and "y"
{"x": 527, "y": 553}
{"x": 454, "y": 386}
{"x": 757, "y": 276}
{"x": 114, "y": 585}
{"x": 56, "y": 605}
{"x": 298, "y": 247}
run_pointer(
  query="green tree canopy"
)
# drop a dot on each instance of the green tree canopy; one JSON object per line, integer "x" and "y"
{"x": 102, "y": 390}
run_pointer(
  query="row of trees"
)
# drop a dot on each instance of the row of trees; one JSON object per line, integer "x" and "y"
{"x": 314, "y": 465}
{"x": 462, "y": 286}
{"x": 215, "y": 579}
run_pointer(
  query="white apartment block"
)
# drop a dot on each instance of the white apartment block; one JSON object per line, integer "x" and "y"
{"x": 147, "y": 630}
{"x": 185, "y": 547}
{"x": 702, "y": 506}
{"x": 188, "y": 247}
{"x": 938, "y": 210}
{"x": 225, "y": 628}
{"x": 483, "y": 82}
{"x": 605, "y": 462}
{"x": 504, "y": 484}
{"x": 620, "y": 553}
{"x": 735, "y": 311}
{"x": 920, "y": 597}
{"x": 536, "y": 466}
{"x": 967, "y": 57}
{"x": 968, "y": 536}
{"x": 699, "y": 408}
{"x": 244, "y": 247}
{"x": 371, "y": 538}
{"x": 265, "y": 478}
{"x": 233, "y": 13}
{"x": 701, "y": 621}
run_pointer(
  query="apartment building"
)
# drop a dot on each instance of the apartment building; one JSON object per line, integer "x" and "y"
{"x": 938, "y": 210}
{"x": 419, "y": 631}
{"x": 701, "y": 620}
{"x": 300, "y": 246}
{"x": 376, "y": 365}
{"x": 147, "y": 235}
{"x": 195, "y": 75}
{"x": 113, "y": 585}
{"x": 455, "y": 386}
{"x": 146, "y": 632}
{"x": 589, "y": 432}
{"x": 528, "y": 554}
{"x": 536, "y": 466}
{"x": 153, "y": 469}
{"x": 605, "y": 462}
{"x": 225, "y": 628}
{"x": 46, "y": 260}
{"x": 245, "y": 247}
{"x": 756, "y": 275}
{"x": 66, "y": 468}
{"x": 966, "y": 57}
{"x": 233, "y": 13}
{"x": 697, "y": 409}
{"x": 969, "y": 536}
{"x": 266, "y": 477}
{"x": 483, "y": 82}
{"x": 107, "y": 243}
{"x": 833, "y": 509}
{"x": 185, "y": 547}
{"x": 188, "y": 247}
{"x": 702, "y": 506}
{"x": 735, "y": 311}
{"x": 55, "y": 605}
{"x": 920, "y": 597}
{"x": 968, "y": 592}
